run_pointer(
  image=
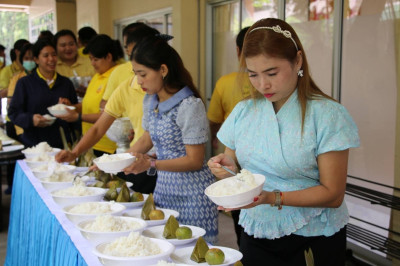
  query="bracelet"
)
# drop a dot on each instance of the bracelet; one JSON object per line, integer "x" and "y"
{"x": 278, "y": 199}
{"x": 79, "y": 117}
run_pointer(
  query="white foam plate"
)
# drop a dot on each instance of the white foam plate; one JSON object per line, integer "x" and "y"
{"x": 12, "y": 148}
{"x": 182, "y": 255}
{"x": 7, "y": 142}
{"x": 137, "y": 204}
{"x": 157, "y": 232}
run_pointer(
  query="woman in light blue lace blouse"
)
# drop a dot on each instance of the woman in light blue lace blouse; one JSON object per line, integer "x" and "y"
{"x": 175, "y": 123}
{"x": 299, "y": 138}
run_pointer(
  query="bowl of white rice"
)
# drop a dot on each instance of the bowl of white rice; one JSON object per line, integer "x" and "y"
{"x": 89, "y": 210}
{"x": 39, "y": 149}
{"x": 46, "y": 170}
{"x": 114, "y": 163}
{"x": 236, "y": 191}
{"x": 39, "y": 160}
{"x": 59, "y": 109}
{"x": 133, "y": 249}
{"x": 58, "y": 181}
{"x": 76, "y": 194}
{"x": 106, "y": 228}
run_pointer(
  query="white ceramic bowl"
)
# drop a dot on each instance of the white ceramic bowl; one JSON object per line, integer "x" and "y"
{"x": 52, "y": 186}
{"x": 50, "y": 119}
{"x": 116, "y": 209}
{"x": 68, "y": 200}
{"x": 157, "y": 232}
{"x": 167, "y": 212}
{"x": 96, "y": 238}
{"x": 47, "y": 173}
{"x": 59, "y": 112}
{"x": 166, "y": 250}
{"x": 115, "y": 166}
{"x": 237, "y": 200}
{"x": 40, "y": 174}
{"x": 34, "y": 164}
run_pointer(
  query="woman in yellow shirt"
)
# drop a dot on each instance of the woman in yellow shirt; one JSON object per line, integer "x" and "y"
{"x": 104, "y": 54}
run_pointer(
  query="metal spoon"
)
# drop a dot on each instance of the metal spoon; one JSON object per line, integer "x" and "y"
{"x": 228, "y": 170}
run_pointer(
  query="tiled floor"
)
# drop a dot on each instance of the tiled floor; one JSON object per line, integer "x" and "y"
{"x": 227, "y": 237}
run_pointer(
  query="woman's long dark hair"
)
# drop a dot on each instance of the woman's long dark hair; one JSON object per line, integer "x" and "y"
{"x": 153, "y": 51}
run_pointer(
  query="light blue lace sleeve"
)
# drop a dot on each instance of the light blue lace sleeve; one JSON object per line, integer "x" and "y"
{"x": 192, "y": 120}
{"x": 336, "y": 129}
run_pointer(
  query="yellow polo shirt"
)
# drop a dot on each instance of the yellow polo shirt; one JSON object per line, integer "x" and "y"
{"x": 91, "y": 104}
{"x": 82, "y": 67}
{"x": 120, "y": 74}
{"x": 226, "y": 95}
{"x": 10, "y": 93}
{"x": 127, "y": 101}
{"x": 80, "y": 52}
{"x": 7, "y": 73}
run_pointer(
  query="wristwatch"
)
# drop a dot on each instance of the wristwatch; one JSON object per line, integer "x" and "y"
{"x": 152, "y": 170}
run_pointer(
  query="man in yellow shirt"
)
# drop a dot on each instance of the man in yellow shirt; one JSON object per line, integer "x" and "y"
{"x": 70, "y": 64}
{"x": 226, "y": 95}
{"x": 125, "y": 101}
{"x": 85, "y": 34}
{"x": 123, "y": 71}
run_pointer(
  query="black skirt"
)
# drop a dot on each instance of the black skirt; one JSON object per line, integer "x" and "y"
{"x": 290, "y": 250}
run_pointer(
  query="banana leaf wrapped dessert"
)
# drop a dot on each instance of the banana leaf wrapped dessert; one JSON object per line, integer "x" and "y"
{"x": 170, "y": 228}
{"x": 148, "y": 207}
{"x": 111, "y": 194}
{"x": 124, "y": 194}
{"x": 199, "y": 252}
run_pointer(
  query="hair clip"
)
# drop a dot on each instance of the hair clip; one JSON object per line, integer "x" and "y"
{"x": 278, "y": 29}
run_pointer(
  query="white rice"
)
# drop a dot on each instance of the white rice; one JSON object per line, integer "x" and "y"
{"x": 39, "y": 148}
{"x": 242, "y": 182}
{"x": 58, "y": 107}
{"x": 43, "y": 157}
{"x": 113, "y": 157}
{"x": 57, "y": 167}
{"x": 108, "y": 223}
{"x": 133, "y": 245}
{"x": 59, "y": 177}
{"x": 77, "y": 190}
{"x": 92, "y": 208}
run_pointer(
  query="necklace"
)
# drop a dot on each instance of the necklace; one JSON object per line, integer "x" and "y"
{"x": 156, "y": 109}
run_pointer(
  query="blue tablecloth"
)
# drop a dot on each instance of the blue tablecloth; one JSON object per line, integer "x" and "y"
{"x": 39, "y": 233}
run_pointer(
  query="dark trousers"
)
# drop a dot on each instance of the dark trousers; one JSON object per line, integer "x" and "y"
{"x": 238, "y": 229}
{"x": 289, "y": 250}
{"x": 142, "y": 182}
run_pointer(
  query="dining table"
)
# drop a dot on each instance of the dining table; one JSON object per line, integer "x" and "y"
{"x": 39, "y": 232}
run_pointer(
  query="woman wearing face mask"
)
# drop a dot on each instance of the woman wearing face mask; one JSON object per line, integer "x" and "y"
{"x": 26, "y": 58}
{"x": 34, "y": 93}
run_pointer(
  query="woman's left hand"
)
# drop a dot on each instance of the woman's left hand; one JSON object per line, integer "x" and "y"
{"x": 40, "y": 121}
{"x": 263, "y": 198}
{"x": 141, "y": 164}
{"x": 71, "y": 116}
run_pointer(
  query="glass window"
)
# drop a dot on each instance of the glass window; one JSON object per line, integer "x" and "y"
{"x": 313, "y": 22}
